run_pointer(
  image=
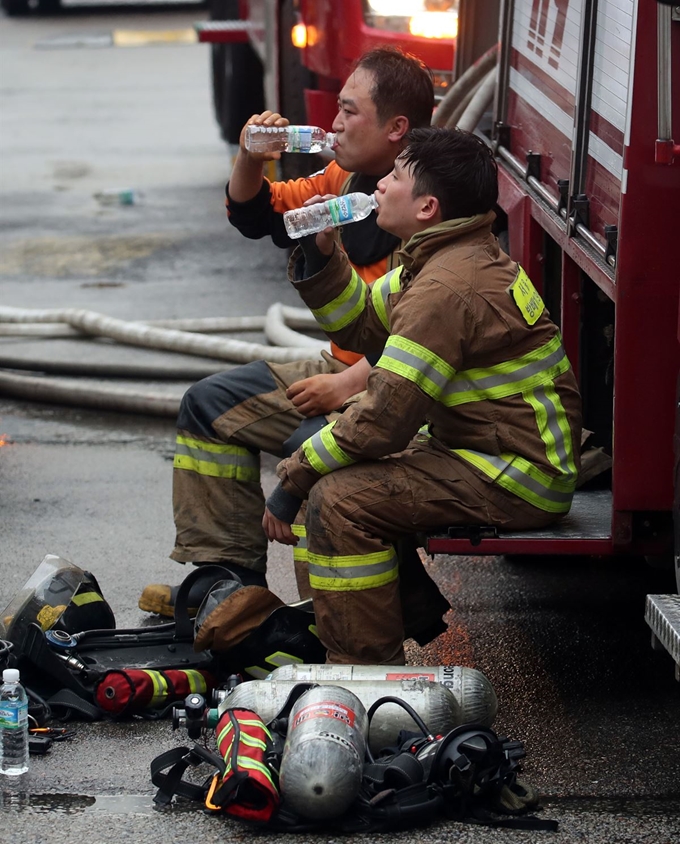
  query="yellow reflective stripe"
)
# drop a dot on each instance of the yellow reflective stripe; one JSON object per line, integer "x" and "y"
{"x": 381, "y": 289}
{"x": 512, "y": 377}
{"x": 254, "y": 765}
{"x": 417, "y": 364}
{"x": 252, "y": 741}
{"x": 242, "y": 721}
{"x": 553, "y": 427}
{"x": 345, "y": 308}
{"x": 354, "y": 572}
{"x": 160, "y": 687}
{"x": 82, "y": 598}
{"x": 195, "y": 680}
{"x": 323, "y": 452}
{"x": 216, "y": 460}
{"x": 300, "y": 550}
{"x": 523, "y": 479}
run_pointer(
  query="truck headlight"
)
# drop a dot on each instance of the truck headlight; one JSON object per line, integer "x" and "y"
{"x": 426, "y": 18}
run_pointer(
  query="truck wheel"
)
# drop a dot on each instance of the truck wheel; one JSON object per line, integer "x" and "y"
{"x": 15, "y": 8}
{"x": 293, "y": 79}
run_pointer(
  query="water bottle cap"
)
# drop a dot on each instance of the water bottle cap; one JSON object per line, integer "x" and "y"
{"x": 10, "y": 675}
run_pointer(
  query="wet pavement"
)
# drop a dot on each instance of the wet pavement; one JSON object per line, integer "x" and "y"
{"x": 563, "y": 641}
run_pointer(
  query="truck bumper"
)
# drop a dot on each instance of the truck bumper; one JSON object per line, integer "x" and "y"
{"x": 662, "y": 614}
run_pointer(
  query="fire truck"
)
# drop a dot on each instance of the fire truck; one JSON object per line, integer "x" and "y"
{"x": 583, "y": 126}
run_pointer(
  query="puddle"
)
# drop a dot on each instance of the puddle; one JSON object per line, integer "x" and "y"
{"x": 73, "y": 804}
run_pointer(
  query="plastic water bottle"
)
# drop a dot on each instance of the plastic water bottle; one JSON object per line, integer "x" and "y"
{"x": 333, "y": 212}
{"x": 119, "y": 196}
{"x": 13, "y": 725}
{"x": 287, "y": 138}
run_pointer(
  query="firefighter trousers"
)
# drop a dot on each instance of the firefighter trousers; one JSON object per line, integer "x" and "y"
{"x": 224, "y": 422}
{"x": 354, "y": 517}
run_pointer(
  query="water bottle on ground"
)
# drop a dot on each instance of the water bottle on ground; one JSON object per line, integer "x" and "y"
{"x": 334, "y": 212}
{"x": 119, "y": 196}
{"x": 288, "y": 138}
{"x": 13, "y": 725}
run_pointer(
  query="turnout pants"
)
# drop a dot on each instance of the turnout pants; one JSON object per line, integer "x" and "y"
{"x": 354, "y": 517}
{"x": 224, "y": 422}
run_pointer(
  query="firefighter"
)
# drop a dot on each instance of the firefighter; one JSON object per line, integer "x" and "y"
{"x": 227, "y": 419}
{"x": 468, "y": 346}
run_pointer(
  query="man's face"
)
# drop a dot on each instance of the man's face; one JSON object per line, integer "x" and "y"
{"x": 362, "y": 144}
{"x": 397, "y": 208}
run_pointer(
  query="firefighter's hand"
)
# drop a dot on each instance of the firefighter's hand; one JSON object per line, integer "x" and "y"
{"x": 320, "y": 394}
{"x": 325, "y": 240}
{"x": 267, "y": 118}
{"x": 276, "y": 530}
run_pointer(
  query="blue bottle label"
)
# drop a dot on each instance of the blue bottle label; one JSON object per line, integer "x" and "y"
{"x": 13, "y": 715}
{"x": 300, "y": 140}
{"x": 340, "y": 210}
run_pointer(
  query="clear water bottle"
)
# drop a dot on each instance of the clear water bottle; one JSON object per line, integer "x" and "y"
{"x": 13, "y": 725}
{"x": 287, "y": 139}
{"x": 119, "y": 196}
{"x": 333, "y": 212}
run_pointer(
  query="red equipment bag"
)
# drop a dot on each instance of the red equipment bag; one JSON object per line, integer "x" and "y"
{"x": 245, "y": 788}
{"x": 137, "y": 691}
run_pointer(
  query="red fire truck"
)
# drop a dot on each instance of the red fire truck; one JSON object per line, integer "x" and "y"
{"x": 583, "y": 126}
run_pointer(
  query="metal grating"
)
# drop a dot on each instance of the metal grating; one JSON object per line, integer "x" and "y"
{"x": 662, "y": 614}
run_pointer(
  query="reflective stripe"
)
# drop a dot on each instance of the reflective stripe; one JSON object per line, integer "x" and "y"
{"x": 523, "y": 479}
{"x": 417, "y": 364}
{"x": 82, "y": 598}
{"x": 276, "y": 660}
{"x": 216, "y": 460}
{"x": 381, "y": 289}
{"x": 195, "y": 680}
{"x": 160, "y": 687}
{"x": 532, "y": 370}
{"x": 323, "y": 452}
{"x": 345, "y": 308}
{"x": 553, "y": 427}
{"x": 353, "y": 573}
{"x": 300, "y": 550}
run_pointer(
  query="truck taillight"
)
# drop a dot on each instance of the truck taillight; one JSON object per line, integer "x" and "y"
{"x": 424, "y": 18}
{"x": 298, "y": 35}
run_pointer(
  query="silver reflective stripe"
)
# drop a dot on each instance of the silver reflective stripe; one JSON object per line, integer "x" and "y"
{"x": 345, "y": 312}
{"x": 488, "y": 384}
{"x": 352, "y": 572}
{"x": 380, "y": 291}
{"x": 564, "y": 460}
{"x": 245, "y": 460}
{"x": 425, "y": 370}
{"x": 509, "y": 470}
{"x": 322, "y": 460}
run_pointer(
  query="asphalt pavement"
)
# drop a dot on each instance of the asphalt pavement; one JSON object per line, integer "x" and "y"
{"x": 563, "y": 641}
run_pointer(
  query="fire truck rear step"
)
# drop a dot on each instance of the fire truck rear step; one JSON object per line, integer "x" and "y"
{"x": 588, "y": 525}
{"x": 662, "y": 614}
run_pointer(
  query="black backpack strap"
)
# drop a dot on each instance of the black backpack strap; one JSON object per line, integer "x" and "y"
{"x": 65, "y": 702}
{"x": 177, "y": 761}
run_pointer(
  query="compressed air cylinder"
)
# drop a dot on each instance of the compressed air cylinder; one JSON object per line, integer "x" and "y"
{"x": 472, "y": 689}
{"x": 435, "y": 704}
{"x": 323, "y": 757}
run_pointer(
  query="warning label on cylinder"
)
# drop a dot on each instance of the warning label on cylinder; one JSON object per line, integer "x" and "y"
{"x": 325, "y": 709}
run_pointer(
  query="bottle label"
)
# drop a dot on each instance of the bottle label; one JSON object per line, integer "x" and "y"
{"x": 340, "y": 210}
{"x": 13, "y": 716}
{"x": 300, "y": 139}
{"x": 325, "y": 709}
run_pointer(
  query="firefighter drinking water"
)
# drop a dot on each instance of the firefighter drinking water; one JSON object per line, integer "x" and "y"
{"x": 227, "y": 419}
{"x": 471, "y": 414}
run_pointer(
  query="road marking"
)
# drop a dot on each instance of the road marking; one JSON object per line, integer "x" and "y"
{"x": 139, "y": 38}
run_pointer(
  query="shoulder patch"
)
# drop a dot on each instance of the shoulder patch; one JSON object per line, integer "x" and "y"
{"x": 526, "y": 297}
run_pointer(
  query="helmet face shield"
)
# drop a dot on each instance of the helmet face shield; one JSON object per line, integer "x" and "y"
{"x": 58, "y": 595}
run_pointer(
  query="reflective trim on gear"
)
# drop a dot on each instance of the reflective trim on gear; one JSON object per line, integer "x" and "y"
{"x": 300, "y": 550}
{"x": 195, "y": 679}
{"x": 554, "y": 429}
{"x": 523, "y": 479}
{"x": 417, "y": 364}
{"x": 345, "y": 308}
{"x": 216, "y": 460}
{"x": 380, "y": 291}
{"x": 160, "y": 687}
{"x": 352, "y": 573}
{"x": 323, "y": 452}
{"x": 275, "y": 660}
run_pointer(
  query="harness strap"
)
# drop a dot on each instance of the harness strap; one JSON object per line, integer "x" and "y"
{"x": 178, "y": 760}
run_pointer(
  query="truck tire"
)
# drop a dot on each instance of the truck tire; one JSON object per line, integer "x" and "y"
{"x": 237, "y": 78}
{"x": 293, "y": 79}
{"x": 15, "y": 8}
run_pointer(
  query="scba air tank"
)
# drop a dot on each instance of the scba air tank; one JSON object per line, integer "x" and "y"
{"x": 323, "y": 757}
{"x": 472, "y": 689}
{"x": 435, "y": 704}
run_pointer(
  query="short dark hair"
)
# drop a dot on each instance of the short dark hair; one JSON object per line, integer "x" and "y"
{"x": 455, "y": 166}
{"x": 402, "y": 84}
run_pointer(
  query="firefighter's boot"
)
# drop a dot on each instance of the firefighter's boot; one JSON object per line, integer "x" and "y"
{"x": 160, "y": 598}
